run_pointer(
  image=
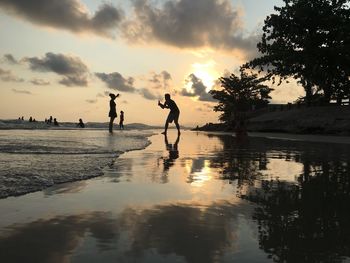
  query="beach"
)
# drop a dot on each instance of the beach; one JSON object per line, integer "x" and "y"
{"x": 199, "y": 197}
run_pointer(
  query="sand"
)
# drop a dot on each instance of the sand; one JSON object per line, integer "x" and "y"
{"x": 191, "y": 200}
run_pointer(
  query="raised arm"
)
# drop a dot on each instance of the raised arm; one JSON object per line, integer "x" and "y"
{"x": 163, "y": 105}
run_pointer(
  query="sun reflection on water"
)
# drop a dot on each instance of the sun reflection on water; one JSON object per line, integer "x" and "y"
{"x": 203, "y": 176}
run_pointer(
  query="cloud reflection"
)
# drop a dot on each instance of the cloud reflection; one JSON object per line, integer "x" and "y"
{"x": 194, "y": 233}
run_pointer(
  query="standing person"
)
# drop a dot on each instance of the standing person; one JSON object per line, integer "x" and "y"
{"x": 55, "y": 122}
{"x": 173, "y": 114}
{"x": 81, "y": 123}
{"x": 121, "y": 122}
{"x": 112, "y": 111}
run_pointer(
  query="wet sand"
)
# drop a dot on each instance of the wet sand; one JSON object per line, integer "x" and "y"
{"x": 203, "y": 198}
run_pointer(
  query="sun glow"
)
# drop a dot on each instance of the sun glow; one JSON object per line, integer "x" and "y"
{"x": 206, "y": 73}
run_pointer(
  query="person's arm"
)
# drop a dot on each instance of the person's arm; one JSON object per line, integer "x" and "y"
{"x": 161, "y": 105}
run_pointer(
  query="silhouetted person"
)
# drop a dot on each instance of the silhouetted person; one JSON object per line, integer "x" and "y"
{"x": 81, "y": 124}
{"x": 30, "y": 119}
{"x": 22, "y": 118}
{"x": 55, "y": 122}
{"x": 112, "y": 111}
{"x": 121, "y": 122}
{"x": 50, "y": 119}
{"x": 173, "y": 114}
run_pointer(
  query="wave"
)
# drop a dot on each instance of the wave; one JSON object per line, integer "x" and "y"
{"x": 33, "y": 160}
{"x": 40, "y": 125}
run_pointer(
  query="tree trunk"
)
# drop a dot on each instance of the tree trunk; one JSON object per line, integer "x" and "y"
{"x": 308, "y": 91}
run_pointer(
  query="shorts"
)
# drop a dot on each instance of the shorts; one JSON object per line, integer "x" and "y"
{"x": 173, "y": 116}
{"x": 112, "y": 114}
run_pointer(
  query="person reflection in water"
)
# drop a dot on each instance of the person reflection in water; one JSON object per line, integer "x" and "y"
{"x": 173, "y": 152}
{"x": 173, "y": 114}
{"x": 112, "y": 111}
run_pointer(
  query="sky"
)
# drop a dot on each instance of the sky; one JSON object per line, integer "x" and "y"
{"x": 63, "y": 57}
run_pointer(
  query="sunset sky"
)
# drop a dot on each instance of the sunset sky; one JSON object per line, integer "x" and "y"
{"x": 63, "y": 57}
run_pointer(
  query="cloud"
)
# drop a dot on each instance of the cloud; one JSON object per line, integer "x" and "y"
{"x": 8, "y": 58}
{"x": 22, "y": 91}
{"x": 73, "y": 70}
{"x": 117, "y": 82}
{"x": 161, "y": 80}
{"x": 189, "y": 24}
{"x": 147, "y": 94}
{"x": 40, "y": 82}
{"x": 100, "y": 95}
{"x": 91, "y": 101}
{"x": 198, "y": 89}
{"x": 70, "y": 15}
{"x": 7, "y": 76}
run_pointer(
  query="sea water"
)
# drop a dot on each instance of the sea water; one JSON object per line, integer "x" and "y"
{"x": 31, "y": 160}
{"x": 194, "y": 198}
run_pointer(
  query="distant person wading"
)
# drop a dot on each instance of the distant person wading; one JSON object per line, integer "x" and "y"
{"x": 112, "y": 111}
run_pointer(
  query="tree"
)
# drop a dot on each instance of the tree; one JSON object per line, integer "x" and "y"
{"x": 240, "y": 94}
{"x": 309, "y": 41}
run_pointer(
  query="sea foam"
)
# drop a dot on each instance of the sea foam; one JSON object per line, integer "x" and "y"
{"x": 32, "y": 160}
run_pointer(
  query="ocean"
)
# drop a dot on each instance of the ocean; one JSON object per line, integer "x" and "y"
{"x": 32, "y": 160}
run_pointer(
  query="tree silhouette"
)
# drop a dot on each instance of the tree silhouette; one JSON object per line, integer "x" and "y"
{"x": 240, "y": 94}
{"x": 309, "y": 41}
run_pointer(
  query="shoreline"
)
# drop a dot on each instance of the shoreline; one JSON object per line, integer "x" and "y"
{"x": 290, "y": 136}
{"x": 317, "y": 120}
{"x": 31, "y": 183}
{"x": 166, "y": 202}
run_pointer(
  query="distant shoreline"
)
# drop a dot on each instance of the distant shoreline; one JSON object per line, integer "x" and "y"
{"x": 327, "y": 120}
{"x": 290, "y": 136}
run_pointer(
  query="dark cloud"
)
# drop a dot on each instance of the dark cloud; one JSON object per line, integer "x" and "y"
{"x": 8, "y": 58}
{"x": 73, "y": 70}
{"x": 40, "y": 82}
{"x": 22, "y": 91}
{"x": 7, "y": 76}
{"x": 198, "y": 89}
{"x": 161, "y": 80}
{"x": 117, "y": 82}
{"x": 189, "y": 24}
{"x": 65, "y": 14}
{"x": 147, "y": 94}
{"x": 91, "y": 101}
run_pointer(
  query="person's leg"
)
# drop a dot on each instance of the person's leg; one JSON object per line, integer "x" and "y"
{"x": 176, "y": 121}
{"x": 111, "y": 124}
{"x": 177, "y": 127}
{"x": 166, "y": 127}
{"x": 168, "y": 120}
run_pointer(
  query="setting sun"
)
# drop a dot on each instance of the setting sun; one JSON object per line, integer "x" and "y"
{"x": 206, "y": 72}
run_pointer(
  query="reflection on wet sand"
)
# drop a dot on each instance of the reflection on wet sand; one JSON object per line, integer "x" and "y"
{"x": 55, "y": 240}
{"x": 193, "y": 233}
{"x": 301, "y": 220}
{"x": 216, "y": 200}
